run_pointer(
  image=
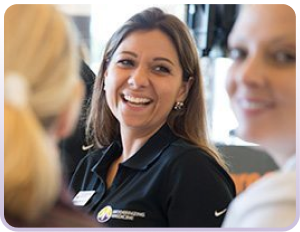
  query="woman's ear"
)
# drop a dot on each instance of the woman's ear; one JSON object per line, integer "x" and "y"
{"x": 104, "y": 79}
{"x": 185, "y": 88}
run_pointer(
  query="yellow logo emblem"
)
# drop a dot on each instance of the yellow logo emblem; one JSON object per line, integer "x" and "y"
{"x": 104, "y": 214}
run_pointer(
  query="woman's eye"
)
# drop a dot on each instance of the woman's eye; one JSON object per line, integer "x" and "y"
{"x": 125, "y": 63}
{"x": 162, "y": 69}
{"x": 237, "y": 54}
{"x": 284, "y": 57}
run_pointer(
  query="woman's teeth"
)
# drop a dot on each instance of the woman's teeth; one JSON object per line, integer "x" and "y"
{"x": 253, "y": 105}
{"x": 136, "y": 100}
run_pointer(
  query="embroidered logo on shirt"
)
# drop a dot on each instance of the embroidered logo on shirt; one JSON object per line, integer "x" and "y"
{"x": 219, "y": 213}
{"x": 104, "y": 214}
{"x": 107, "y": 213}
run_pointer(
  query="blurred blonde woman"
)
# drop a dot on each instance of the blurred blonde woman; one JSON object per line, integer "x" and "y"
{"x": 43, "y": 94}
{"x": 261, "y": 85}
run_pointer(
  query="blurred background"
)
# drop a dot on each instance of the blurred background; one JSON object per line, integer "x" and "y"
{"x": 210, "y": 25}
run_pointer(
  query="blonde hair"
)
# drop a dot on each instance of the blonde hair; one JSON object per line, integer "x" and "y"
{"x": 39, "y": 48}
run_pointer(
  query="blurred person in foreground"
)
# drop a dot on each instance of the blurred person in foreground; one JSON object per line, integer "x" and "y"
{"x": 42, "y": 97}
{"x": 74, "y": 148}
{"x": 261, "y": 85}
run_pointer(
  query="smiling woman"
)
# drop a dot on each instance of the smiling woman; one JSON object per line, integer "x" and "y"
{"x": 261, "y": 85}
{"x": 153, "y": 165}
{"x": 261, "y": 82}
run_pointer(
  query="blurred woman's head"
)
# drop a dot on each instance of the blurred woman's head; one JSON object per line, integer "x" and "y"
{"x": 262, "y": 80}
{"x": 43, "y": 94}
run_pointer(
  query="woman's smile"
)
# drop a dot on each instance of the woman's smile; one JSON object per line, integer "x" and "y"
{"x": 136, "y": 101}
{"x": 254, "y": 107}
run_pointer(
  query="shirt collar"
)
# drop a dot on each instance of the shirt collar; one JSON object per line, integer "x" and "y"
{"x": 144, "y": 157}
{"x": 108, "y": 155}
{"x": 152, "y": 149}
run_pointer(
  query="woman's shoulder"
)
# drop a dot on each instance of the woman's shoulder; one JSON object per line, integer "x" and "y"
{"x": 182, "y": 150}
{"x": 186, "y": 163}
{"x": 262, "y": 203}
{"x": 185, "y": 154}
{"x": 187, "y": 157}
{"x": 275, "y": 186}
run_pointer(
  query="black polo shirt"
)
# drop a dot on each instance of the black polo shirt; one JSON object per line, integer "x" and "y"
{"x": 167, "y": 183}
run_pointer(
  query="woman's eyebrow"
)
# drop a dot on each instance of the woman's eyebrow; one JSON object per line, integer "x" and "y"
{"x": 283, "y": 39}
{"x": 129, "y": 53}
{"x": 154, "y": 59}
{"x": 163, "y": 59}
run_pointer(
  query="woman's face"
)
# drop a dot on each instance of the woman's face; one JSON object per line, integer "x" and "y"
{"x": 144, "y": 80}
{"x": 261, "y": 82}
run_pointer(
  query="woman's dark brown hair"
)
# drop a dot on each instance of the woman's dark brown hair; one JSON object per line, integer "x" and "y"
{"x": 188, "y": 123}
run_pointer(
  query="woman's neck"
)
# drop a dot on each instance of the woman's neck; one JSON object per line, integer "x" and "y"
{"x": 133, "y": 140}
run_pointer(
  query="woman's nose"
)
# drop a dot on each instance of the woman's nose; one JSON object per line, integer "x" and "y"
{"x": 251, "y": 72}
{"x": 139, "y": 78}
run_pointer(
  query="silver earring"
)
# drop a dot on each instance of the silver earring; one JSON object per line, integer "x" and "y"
{"x": 178, "y": 105}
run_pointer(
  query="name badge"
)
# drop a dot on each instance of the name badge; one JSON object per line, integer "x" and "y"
{"x": 83, "y": 197}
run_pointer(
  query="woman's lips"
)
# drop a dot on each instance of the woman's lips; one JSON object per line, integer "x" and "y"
{"x": 136, "y": 100}
{"x": 253, "y": 108}
{"x": 253, "y": 104}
